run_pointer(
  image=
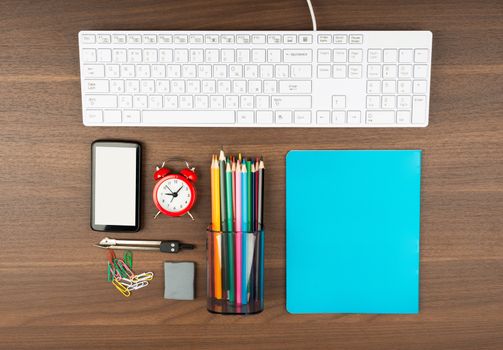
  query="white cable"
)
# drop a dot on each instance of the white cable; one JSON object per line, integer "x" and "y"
{"x": 313, "y": 17}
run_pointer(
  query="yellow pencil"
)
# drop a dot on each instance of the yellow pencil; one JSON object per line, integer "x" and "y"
{"x": 215, "y": 201}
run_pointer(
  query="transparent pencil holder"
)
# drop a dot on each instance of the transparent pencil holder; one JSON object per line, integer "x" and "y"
{"x": 235, "y": 272}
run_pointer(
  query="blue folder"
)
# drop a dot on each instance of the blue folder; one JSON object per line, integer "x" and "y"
{"x": 352, "y": 231}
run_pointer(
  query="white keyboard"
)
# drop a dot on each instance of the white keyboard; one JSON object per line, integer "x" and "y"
{"x": 255, "y": 78}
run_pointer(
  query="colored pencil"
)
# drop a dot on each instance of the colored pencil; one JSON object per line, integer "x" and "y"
{"x": 244, "y": 229}
{"x": 239, "y": 235}
{"x": 260, "y": 201}
{"x": 249, "y": 207}
{"x": 230, "y": 238}
{"x": 233, "y": 170}
{"x": 223, "y": 228}
{"x": 215, "y": 195}
{"x": 253, "y": 198}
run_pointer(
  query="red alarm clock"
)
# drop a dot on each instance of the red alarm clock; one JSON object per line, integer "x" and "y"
{"x": 174, "y": 194}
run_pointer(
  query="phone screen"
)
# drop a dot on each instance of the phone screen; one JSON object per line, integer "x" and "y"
{"x": 115, "y": 186}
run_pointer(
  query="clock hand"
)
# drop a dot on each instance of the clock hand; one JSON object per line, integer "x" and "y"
{"x": 169, "y": 194}
{"x": 169, "y": 189}
{"x": 178, "y": 189}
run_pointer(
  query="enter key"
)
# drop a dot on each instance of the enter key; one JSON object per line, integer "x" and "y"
{"x": 295, "y": 87}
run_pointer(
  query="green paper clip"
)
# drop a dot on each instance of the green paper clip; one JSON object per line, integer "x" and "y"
{"x": 128, "y": 258}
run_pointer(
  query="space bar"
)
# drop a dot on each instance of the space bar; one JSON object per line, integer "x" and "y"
{"x": 188, "y": 117}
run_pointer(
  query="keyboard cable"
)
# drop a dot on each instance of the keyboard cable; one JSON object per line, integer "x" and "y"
{"x": 313, "y": 17}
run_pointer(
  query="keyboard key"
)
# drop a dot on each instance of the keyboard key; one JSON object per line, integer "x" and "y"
{"x": 266, "y": 71}
{"x": 420, "y": 86}
{"x": 100, "y": 101}
{"x": 227, "y": 39}
{"x": 235, "y": 71}
{"x": 103, "y": 39}
{"x": 421, "y": 55}
{"x": 263, "y": 102}
{"x": 258, "y": 56}
{"x": 338, "y": 102}
{"x": 158, "y": 71}
{"x": 373, "y": 71}
{"x": 340, "y": 39}
{"x": 173, "y": 71}
{"x": 117, "y": 86}
{"x": 324, "y": 56}
{"x": 323, "y": 117}
{"x": 323, "y": 71}
{"x": 389, "y": 87}
{"x": 166, "y": 55}
{"x": 283, "y": 117}
{"x": 403, "y": 117}
{"x": 388, "y": 102}
{"x": 162, "y": 86}
{"x": 242, "y": 39}
{"x": 374, "y": 56}
{"x": 404, "y": 87}
{"x": 274, "y": 39}
{"x": 227, "y": 56}
{"x": 295, "y": 87}
{"x": 112, "y": 116}
{"x": 354, "y": 71}
{"x": 324, "y": 39}
{"x": 355, "y": 56}
{"x": 165, "y": 39}
{"x": 282, "y": 71}
{"x": 94, "y": 71}
{"x": 201, "y": 102}
{"x": 258, "y": 39}
{"x": 88, "y": 55}
{"x": 188, "y": 117}
{"x": 273, "y": 56}
{"x": 338, "y": 117}
{"x": 265, "y": 117}
{"x": 132, "y": 86}
{"x": 242, "y": 56}
{"x": 112, "y": 71}
{"x": 149, "y": 38}
{"x": 131, "y": 116}
{"x": 290, "y": 39}
{"x": 196, "y": 55}
{"x": 373, "y": 102}
{"x": 420, "y": 71}
{"x": 293, "y": 102}
{"x": 298, "y": 56}
{"x": 373, "y": 87}
{"x": 406, "y": 56}
{"x": 181, "y": 56}
{"x": 196, "y": 39}
{"x": 119, "y": 55}
{"x": 211, "y": 39}
{"x": 356, "y": 39}
{"x": 419, "y": 109}
{"x": 180, "y": 39}
{"x": 340, "y": 56}
{"x": 339, "y": 71}
{"x": 389, "y": 71}
{"x": 354, "y": 117}
{"x": 193, "y": 87}
{"x": 171, "y": 101}
{"x": 93, "y": 116}
{"x": 186, "y": 102}
{"x": 305, "y": 39}
{"x": 254, "y": 86}
{"x": 140, "y": 101}
{"x": 302, "y": 117}
{"x": 301, "y": 71}
{"x": 88, "y": 38}
{"x": 231, "y": 102}
{"x": 389, "y": 56}
{"x": 220, "y": 71}
{"x": 405, "y": 71}
{"x": 245, "y": 117}
{"x": 380, "y": 117}
{"x": 251, "y": 71}
{"x": 134, "y": 39}
{"x": 96, "y": 85}
{"x": 270, "y": 87}
{"x": 404, "y": 102}
{"x": 125, "y": 101}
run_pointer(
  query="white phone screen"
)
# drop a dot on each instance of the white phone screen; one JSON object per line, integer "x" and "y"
{"x": 115, "y": 185}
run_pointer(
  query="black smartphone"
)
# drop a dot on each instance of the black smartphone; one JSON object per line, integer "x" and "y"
{"x": 116, "y": 182}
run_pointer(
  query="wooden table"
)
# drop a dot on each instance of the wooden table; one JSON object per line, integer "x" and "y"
{"x": 53, "y": 292}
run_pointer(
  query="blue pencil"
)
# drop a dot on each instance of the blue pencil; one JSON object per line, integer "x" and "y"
{"x": 244, "y": 229}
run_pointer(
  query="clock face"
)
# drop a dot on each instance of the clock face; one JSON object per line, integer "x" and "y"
{"x": 175, "y": 195}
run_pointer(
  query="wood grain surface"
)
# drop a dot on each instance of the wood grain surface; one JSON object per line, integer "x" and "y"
{"x": 53, "y": 293}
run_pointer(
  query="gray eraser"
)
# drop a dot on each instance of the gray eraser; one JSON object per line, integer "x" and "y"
{"x": 179, "y": 280}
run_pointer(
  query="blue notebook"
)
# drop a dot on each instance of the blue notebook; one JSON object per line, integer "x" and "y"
{"x": 352, "y": 231}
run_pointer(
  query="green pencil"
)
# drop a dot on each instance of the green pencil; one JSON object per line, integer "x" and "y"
{"x": 230, "y": 239}
{"x": 249, "y": 184}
